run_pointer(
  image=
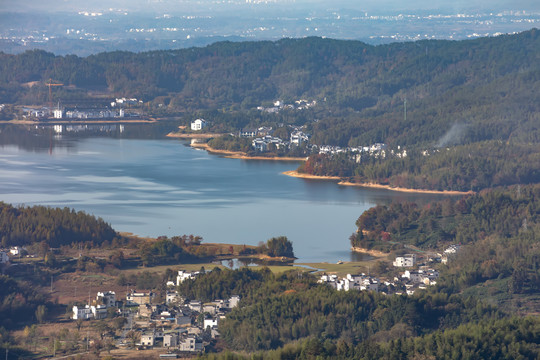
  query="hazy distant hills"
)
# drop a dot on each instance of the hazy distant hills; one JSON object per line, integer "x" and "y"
{"x": 488, "y": 86}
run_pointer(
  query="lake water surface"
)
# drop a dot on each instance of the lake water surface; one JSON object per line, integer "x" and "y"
{"x": 160, "y": 186}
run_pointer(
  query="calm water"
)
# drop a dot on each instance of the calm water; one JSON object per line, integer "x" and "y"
{"x": 155, "y": 187}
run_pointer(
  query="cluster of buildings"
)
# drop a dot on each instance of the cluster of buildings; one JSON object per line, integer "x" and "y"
{"x": 175, "y": 324}
{"x": 75, "y": 113}
{"x": 416, "y": 276}
{"x": 407, "y": 282}
{"x": 265, "y": 141}
{"x": 97, "y": 309}
{"x": 6, "y": 254}
{"x": 351, "y": 282}
{"x": 125, "y": 101}
{"x": 377, "y": 150}
{"x": 280, "y": 105}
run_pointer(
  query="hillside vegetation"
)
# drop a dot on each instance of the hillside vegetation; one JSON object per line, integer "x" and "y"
{"x": 483, "y": 86}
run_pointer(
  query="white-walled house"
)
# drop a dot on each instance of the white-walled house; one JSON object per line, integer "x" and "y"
{"x": 107, "y": 298}
{"x": 148, "y": 339}
{"x": 198, "y": 124}
{"x": 99, "y": 312}
{"x": 232, "y": 302}
{"x": 210, "y": 323}
{"x": 171, "y": 297}
{"x": 170, "y": 340}
{"x": 184, "y": 275}
{"x": 191, "y": 343}
{"x": 139, "y": 298}
{"x": 84, "y": 313}
{"x": 407, "y": 260}
{"x": 15, "y": 250}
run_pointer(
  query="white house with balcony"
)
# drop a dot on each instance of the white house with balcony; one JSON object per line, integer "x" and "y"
{"x": 198, "y": 124}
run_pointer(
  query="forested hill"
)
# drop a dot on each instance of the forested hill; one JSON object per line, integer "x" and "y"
{"x": 52, "y": 227}
{"x": 487, "y": 85}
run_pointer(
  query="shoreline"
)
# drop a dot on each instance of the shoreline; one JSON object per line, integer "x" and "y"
{"x": 242, "y": 155}
{"x": 374, "y": 253}
{"x": 192, "y": 135}
{"x": 295, "y": 173}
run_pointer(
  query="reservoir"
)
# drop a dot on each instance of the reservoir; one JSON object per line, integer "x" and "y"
{"x": 141, "y": 182}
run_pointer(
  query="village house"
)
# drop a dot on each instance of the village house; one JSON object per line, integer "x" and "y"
{"x": 195, "y": 305}
{"x": 248, "y": 132}
{"x": 15, "y": 250}
{"x": 84, "y": 313}
{"x": 210, "y": 322}
{"x": 407, "y": 260}
{"x": 139, "y": 298}
{"x": 184, "y": 275}
{"x": 171, "y": 297}
{"x": 263, "y": 144}
{"x": 232, "y": 302}
{"x": 148, "y": 339}
{"x": 212, "y": 308}
{"x": 191, "y": 343}
{"x": 298, "y": 137}
{"x": 166, "y": 315}
{"x": 198, "y": 124}
{"x": 99, "y": 311}
{"x": 107, "y": 298}
{"x": 329, "y": 280}
{"x": 182, "y": 318}
{"x": 170, "y": 339}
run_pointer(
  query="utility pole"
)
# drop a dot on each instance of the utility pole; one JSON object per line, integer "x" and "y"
{"x": 405, "y": 110}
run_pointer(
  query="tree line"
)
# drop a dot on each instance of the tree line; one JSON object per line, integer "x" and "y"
{"x": 53, "y": 227}
{"x": 507, "y": 338}
{"x": 470, "y": 167}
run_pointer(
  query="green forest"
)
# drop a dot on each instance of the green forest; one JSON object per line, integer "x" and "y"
{"x": 471, "y": 103}
{"x": 486, "y": 85}
{"x": 290, "y": 316}
{"x": 53, "y": 227}
{"x": 470, "y": 167}
{"x": 497, "y": 229}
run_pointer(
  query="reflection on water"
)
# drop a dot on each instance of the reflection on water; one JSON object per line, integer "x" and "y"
{"x": 46, "y": 137}
{"x": 234, "y": 264}
{"x": 357, "y": 256}
{"x": 164, "y": 187}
